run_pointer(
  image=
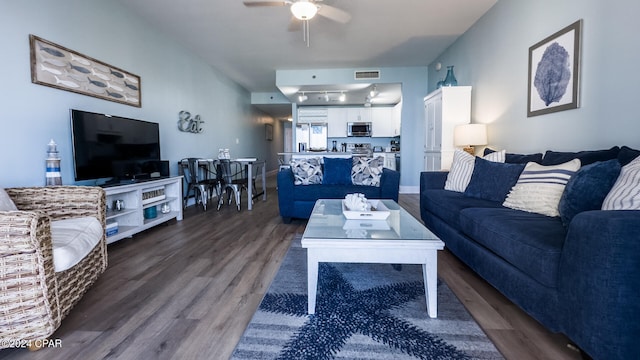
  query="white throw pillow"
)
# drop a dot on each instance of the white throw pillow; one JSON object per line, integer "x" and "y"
{"x": 625, "y": 193}
{"x": 539, "y": 188}
{"x": 462, "y": 168}
{"x": 6, "y": 204}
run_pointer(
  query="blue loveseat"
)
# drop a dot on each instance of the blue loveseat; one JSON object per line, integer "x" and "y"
{"x": 297, "y": 201}
{"x": 581, "y": 278}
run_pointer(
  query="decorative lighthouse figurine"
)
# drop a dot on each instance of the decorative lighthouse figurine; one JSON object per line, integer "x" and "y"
{"x": 53, "y": 165}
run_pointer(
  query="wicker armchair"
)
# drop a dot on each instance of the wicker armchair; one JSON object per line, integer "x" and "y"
{"x": 33, "y": 297}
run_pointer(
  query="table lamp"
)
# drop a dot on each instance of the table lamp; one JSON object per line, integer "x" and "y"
{"x": 468, "y": 135}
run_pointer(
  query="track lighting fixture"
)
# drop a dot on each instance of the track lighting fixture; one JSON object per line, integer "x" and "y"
{"x": 374, "y": 91}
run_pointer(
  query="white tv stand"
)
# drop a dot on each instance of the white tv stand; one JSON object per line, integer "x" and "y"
{"x": 131, "y": 218}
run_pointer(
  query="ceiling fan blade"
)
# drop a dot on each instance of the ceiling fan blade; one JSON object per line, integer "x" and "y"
{"x": 294, "y": 24}
{"x": 265, "y": 3}
{"x": 334, "y": 13}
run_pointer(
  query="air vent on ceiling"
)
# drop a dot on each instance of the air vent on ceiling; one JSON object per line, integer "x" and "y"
{"x": 367, "y": 74}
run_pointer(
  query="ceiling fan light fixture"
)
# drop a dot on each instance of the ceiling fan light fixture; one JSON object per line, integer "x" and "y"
{"x": 304, "y": 10}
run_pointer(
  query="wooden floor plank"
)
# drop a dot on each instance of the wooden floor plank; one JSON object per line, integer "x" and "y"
{"x": 188, "y": 289}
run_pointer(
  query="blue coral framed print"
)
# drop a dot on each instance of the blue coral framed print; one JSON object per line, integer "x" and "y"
{"x": 554, "y": 72}
{"x": 61, "y": 68}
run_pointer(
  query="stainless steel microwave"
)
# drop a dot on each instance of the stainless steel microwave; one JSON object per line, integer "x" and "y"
{"x": 359, "y": 129}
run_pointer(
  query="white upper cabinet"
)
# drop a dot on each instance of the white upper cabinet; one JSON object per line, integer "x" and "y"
{"x": 337, "y": 120}
{"x": 384, "y": 123}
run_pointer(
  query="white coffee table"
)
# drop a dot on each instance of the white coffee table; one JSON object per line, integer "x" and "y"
{"x": 400, "y": 239}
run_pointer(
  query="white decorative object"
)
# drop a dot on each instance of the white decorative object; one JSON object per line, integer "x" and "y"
{"x": 357, "y": 207}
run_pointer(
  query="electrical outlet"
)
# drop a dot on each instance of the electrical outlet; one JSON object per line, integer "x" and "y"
{"x": 237, "y": 141}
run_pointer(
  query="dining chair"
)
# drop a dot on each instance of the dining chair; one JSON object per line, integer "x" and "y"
{"x": 234, "y": 181}
{"x": 201, "y": 180}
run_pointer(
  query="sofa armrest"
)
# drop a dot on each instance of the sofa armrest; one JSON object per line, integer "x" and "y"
{"x": 599, "y": 281}
{"x": 389, "y": 184}
{"x": 285, "y": 181}
{"x": 432, "y": 180}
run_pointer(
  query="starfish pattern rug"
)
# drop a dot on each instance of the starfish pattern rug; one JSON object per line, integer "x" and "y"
{"x": 363, "y": 311}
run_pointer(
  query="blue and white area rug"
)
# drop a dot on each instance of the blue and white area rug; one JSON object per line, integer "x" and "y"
{"x": 363, "y": 311}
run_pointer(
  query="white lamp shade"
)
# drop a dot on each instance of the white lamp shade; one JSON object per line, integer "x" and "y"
{"x": 303, "y": 10}
{"x": 470, "y": 134}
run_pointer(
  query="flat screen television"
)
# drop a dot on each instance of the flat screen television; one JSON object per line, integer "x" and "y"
{"x": 118, "y": 148}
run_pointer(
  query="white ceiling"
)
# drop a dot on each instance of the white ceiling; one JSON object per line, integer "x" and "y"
{"x": 249, "y": 44}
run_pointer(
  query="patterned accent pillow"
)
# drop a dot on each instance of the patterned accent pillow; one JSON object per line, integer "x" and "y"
{"x": 462, "y": 168}
{"x": 306, "y": 171}
{"x": 366, "y": 170}
{"x": 625, "y": 194}
{"x": 539, "y": 188}
{"x": 6, "y": 204}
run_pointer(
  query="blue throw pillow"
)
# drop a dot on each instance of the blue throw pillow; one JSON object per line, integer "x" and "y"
{"x": 492, "y": 180}
{"x": 337, "y": 171}
{"x": 627, "y": 154}
{"x": 587, "y": 189}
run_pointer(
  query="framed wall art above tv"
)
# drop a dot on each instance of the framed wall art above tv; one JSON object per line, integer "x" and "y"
{"x": 58, "y": 67}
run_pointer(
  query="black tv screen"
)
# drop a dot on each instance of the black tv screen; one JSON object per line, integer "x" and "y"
{"x": 106, "y": 146}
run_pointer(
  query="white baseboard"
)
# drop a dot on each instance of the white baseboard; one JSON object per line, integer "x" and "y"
{"x": 409, "y": 189}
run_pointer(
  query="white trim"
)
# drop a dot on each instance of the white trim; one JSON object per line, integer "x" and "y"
{"x": 409, "y": 189}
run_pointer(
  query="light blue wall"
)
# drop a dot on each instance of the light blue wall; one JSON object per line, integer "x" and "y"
{"x": 172, "y": 80}
{"x": 414, "y": 89}
{"x": 493, "y": 57}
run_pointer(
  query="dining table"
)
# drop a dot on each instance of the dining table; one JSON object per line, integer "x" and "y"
{"x": 249, "y": 163}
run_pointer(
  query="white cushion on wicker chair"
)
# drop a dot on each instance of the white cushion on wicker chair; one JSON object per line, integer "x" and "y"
{"x": 73, "y": 239}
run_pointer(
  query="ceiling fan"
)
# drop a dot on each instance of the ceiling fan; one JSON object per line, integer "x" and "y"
{"x": 305, "y": 10}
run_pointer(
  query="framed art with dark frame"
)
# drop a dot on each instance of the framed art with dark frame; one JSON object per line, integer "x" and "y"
{"x": 58, "y": 67}
{"x": 268, "y": 132}
{"x": 554, "y": 72}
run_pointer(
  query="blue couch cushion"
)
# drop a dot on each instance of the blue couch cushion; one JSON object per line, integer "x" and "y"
{"x": 337, "y": 171}
{"x": 587, "y": 188}
{"x": 586, "y": 157}
{"x": 321, "y": 191}
{"x": 518, "y": 158}
{"x": 447, "y": 204}
{"x": 627, "y": 154}
{"x": 530, "y": 242}
{"x": 492, "y": 180}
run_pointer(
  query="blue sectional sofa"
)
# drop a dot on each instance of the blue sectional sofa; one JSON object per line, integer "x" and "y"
{"x": 581, "y": 278}
{"x": 297, "y": 201}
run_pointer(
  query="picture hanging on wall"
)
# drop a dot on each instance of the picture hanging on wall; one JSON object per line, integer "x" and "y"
{"x": 554, "y": 72}
{"x": 268, "y": 132}
{"x": 58, "y": 67}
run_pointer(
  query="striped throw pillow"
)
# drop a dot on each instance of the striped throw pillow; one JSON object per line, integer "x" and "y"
{"x": 539, "y": 188}
{"x": 625, "y": 194}
{"x": 462, "y": 168}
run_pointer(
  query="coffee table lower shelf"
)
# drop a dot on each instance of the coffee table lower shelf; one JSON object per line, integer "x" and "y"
{"x": 397, "y": 254}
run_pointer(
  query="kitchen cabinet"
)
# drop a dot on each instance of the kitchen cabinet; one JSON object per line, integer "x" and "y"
{"x": 383, "y": 123}
{"x": 312, "y": 114}
{"x": 444, "y": 109}
{"x": 358, "y": 114}
{"x": 337, "y": 119}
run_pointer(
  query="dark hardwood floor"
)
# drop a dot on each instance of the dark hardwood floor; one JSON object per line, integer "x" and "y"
{"x": 186, "y": 290}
